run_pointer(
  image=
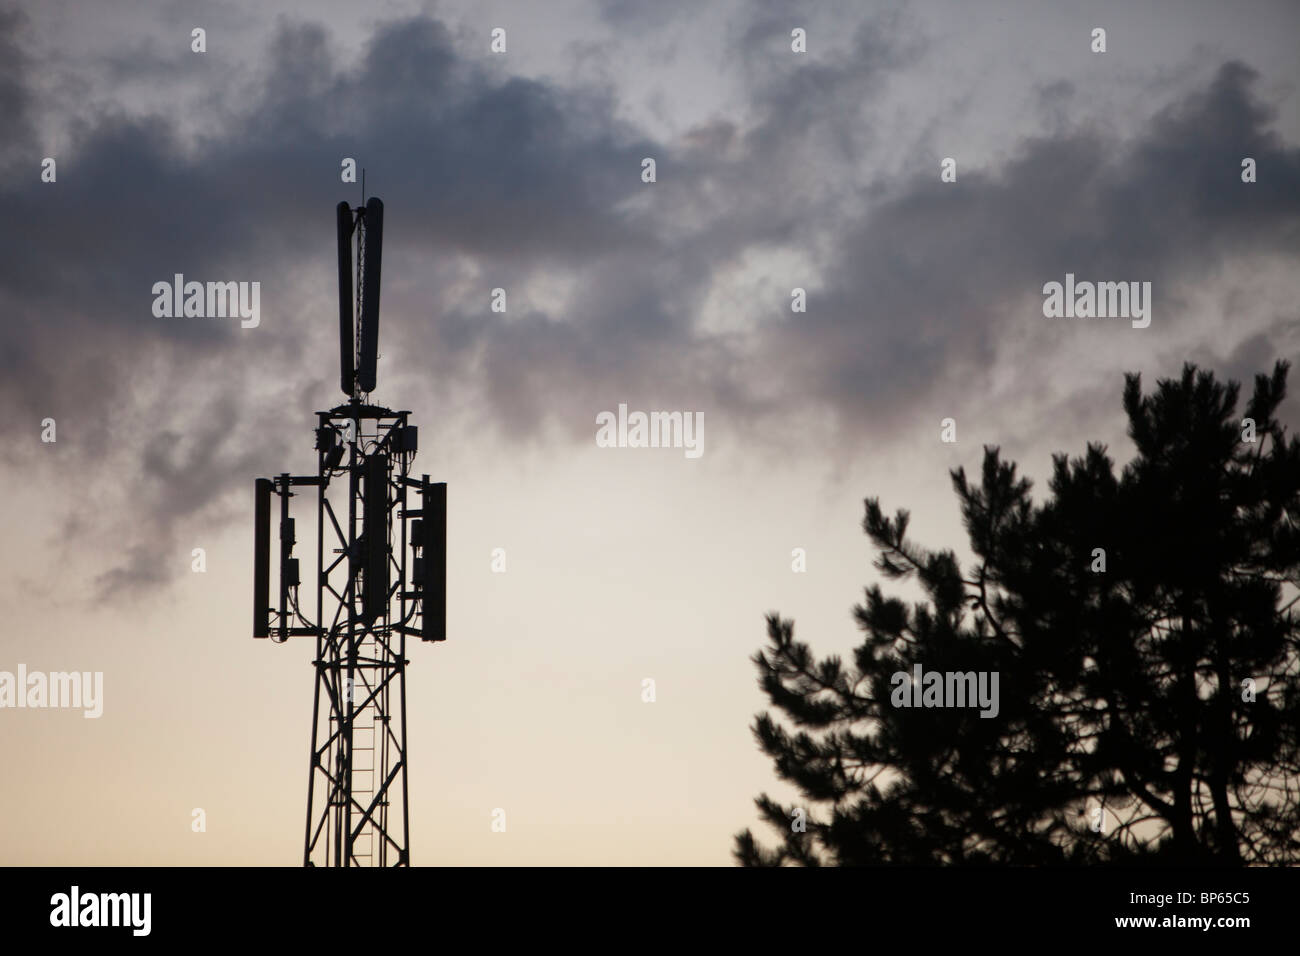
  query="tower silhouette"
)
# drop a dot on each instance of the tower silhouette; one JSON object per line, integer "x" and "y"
{"x": 381, "y": 577}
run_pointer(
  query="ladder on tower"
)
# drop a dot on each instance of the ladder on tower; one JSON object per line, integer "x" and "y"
{"x": 364, "y": 745}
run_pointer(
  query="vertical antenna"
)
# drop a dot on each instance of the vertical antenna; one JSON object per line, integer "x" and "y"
{"x": 347, "y": 349}
{"x": 368, "y": 347}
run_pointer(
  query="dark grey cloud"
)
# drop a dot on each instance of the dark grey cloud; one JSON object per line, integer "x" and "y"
{"x": 927, "y": 284}
{"x": 492, "y": 180}
{"x": 15, "y": 97}
{"x": 506, "y": 170}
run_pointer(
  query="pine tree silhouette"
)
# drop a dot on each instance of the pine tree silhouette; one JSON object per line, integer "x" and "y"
{"x": 1148, "y": 711}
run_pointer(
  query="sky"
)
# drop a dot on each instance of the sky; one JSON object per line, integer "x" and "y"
{"x": 523, "y": 170}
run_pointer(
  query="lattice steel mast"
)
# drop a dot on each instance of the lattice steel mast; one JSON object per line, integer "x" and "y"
{"x": 366, "y": 602}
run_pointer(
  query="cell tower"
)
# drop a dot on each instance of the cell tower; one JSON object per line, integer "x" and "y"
{"x": 367, "y": 603}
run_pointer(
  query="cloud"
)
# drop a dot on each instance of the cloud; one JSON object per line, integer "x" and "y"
{"x": 929, "y": 282}
{"x": 492, "y": 180}
{"x": 471, "y": 166}
{"x": 15, "y": 98}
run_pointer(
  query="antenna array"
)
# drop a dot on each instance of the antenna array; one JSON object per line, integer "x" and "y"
{"x": 381, "y": 568}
